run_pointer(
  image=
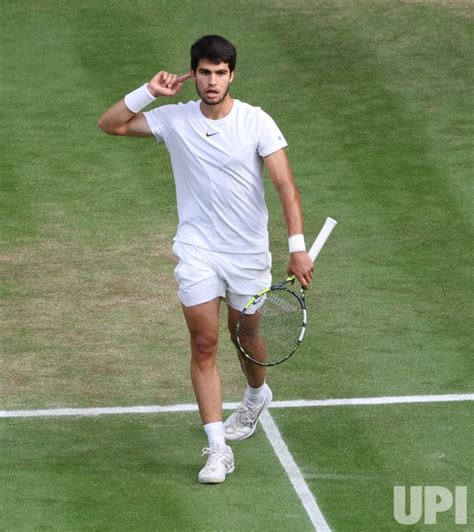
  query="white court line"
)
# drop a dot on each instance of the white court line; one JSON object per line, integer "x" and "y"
{"x": 294, "y": 474}
{"x": 393, "y": 400}
{"x": 298, "y": 403}
{"x": 101, "y": 411}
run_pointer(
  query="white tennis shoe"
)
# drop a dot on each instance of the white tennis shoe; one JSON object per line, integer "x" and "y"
{"x": 243, "y": 422}
{"x": 220, "y": 463}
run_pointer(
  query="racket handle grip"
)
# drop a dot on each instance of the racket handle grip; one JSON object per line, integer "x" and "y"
{"x": 323, "y": 235}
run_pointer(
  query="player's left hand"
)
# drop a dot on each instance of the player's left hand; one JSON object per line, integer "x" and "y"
{"x": 301, "y": 266}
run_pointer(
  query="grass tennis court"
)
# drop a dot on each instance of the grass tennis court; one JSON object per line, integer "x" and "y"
{"x": 374, "y": 99}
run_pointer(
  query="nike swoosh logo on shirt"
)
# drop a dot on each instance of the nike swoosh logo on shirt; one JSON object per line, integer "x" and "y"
{"x": 211, "y": 134}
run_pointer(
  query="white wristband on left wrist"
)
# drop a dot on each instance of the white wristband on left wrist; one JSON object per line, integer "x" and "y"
{"x": 296, "y": 243}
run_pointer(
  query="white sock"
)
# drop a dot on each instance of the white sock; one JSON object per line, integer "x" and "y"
{"x": 255, "y": 395}
{"x": 215, "y": 434}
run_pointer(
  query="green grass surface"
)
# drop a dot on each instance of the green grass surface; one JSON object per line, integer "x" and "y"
{"x": 351, "y": 457}
{"x": 129, "y": 473}
{"x": 122, "y": 472}
{"x": 374, "y": 100}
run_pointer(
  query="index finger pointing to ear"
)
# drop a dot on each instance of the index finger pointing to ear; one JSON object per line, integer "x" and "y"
{"x": 183, "y": 78}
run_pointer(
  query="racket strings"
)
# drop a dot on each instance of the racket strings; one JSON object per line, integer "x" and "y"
{"x": 270, "y": 328}
{"x": 278, "y": 304}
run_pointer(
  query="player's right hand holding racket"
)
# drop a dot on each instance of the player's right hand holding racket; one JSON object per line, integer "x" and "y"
{"x": 272, "y": 324}
{"x": 300, "y": 267}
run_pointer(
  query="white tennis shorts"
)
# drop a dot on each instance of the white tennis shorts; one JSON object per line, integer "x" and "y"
{"x": 203, "y": 275}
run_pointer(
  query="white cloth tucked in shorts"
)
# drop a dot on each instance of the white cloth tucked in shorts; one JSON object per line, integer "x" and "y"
{"x": 203, "y": 275}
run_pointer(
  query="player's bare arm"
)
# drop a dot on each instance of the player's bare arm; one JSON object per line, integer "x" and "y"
{"x": 122, "y": 121}
{"x": 300, "y": 264}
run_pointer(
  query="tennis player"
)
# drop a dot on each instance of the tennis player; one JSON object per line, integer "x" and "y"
{"x": 218, "y": 148}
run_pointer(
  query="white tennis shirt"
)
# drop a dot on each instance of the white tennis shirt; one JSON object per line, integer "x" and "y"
{"x": 218, "y": 172}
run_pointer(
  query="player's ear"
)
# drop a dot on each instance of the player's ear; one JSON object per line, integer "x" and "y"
{"x": 193, "y": 74}
{"x": 231, "y": 79}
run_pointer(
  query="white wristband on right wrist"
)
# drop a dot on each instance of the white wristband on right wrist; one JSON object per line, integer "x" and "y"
{"x": 139, "y": 99}
{"x": 296, "y": 243}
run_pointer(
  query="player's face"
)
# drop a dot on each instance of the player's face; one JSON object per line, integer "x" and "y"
{"x": 212, "y": 81}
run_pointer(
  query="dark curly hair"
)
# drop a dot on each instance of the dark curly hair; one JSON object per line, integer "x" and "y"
{"x": 214, "y": 48}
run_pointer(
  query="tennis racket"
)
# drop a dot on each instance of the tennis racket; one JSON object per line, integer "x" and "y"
{"x": 272, "y": 324}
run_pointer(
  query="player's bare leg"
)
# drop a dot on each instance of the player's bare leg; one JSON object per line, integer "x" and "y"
{"x": 203, "y": 326}
{"x": 254, "y": 373}
{"x": 243, "y": 422}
